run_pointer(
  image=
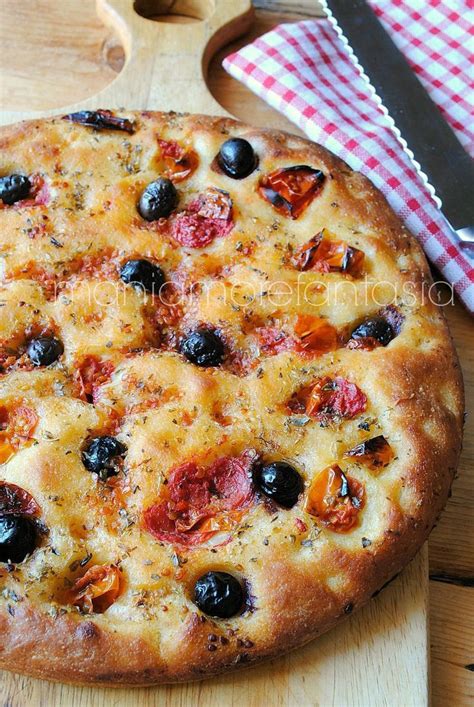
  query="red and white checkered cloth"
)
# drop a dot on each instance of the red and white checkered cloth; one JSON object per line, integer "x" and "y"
{"x": 304, "y": 70}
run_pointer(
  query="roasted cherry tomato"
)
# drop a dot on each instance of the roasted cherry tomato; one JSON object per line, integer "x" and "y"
{"x": 335, "y": 499}
{"x": 206, "y": 218}
{"x": 316, "y": 335}
{"x": 290, "y": 190}
{"x": 17, "y": 423}
{"x": 375, "y": 453}
{"x": 179, "y": 162}
{"x": 329, "y": 255}
{"x": 329, "y": 400}
{"x": 97, "y": 589}
{"x": 199, "y": 501}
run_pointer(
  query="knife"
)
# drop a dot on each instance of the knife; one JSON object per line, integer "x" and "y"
{"x": 434, "y": 149}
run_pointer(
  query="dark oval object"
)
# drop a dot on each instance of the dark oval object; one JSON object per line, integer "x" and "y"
{"x": 18, "y": 538}
{"x": 377, "y": 328}
{"x": 44, "y": 350}
{"x": 219, "y": 594}
{"x": 100, "y": 454}
{"x": 280, "y": 482}
{"x": 236, "y": 158}
{"x": 203, "y": 347}
{"x": 158, "y": 200}
{"x": 101, "y": 120}
{"x": 143, "y": 274}
{"x": 14, "y": 188}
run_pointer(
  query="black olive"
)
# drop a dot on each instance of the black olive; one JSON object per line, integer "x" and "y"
{"x": 158, "y": 200}
{"x": 101, "y": 454}
{"x": 236, "y": 158}
{"x": 14, "y": 188}
{"x": 377, "y": 328}
{"x": 44, "y": 350}
{"x": 219, "y": 594}
{"x": 203, "y": 347}
{"x": 280, "y": 482}
{"x": 101, "y": 120}
{"x": 18, "y": 538}
{"x": 143, "y": 274}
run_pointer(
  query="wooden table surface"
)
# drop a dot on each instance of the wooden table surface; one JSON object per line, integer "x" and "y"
{"x": 67, "y": 55}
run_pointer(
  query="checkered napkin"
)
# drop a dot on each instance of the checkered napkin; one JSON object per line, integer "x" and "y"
{"x": 306, "y": 71}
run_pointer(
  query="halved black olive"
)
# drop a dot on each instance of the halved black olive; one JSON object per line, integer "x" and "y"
{"x": 280, "y": 482}
{"x": 18, "y": 538}
{"x": 13, "y": 188}
{"x": 101, "y": 456}
{"x": 44, "y": 350}
{"x": 236, "y": 158}
{"x": 203, "y": 347}
{"x": 143, "y": 274}
{"x": 219, "y": 594}
{"x": 158, "y": 200}
{"x": 101, "y": 120}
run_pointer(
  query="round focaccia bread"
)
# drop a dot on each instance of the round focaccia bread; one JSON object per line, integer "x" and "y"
{"x": 230, "y": 411}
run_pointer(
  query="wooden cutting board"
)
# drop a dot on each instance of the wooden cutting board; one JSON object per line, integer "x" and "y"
{"x": 380, "y": 655}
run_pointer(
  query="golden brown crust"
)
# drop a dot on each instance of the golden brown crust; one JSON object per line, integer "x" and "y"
{"x": 302, "y": 577}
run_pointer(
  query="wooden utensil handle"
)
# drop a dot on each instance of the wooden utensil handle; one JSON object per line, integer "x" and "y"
{"x": 166, "y": 62}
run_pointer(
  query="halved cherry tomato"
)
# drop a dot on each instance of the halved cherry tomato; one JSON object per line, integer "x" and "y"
{"x": 206, "y": 218}
{"x": 326, "y": 255}
{"x": 90, "y": 374}
{"x": 335, "y": 499}
{"x": 22, "y": 421}
{"x": 374, "y": 453}
{"x": 315, "y": 335}
{"x": 97, "y": 589}
{"x": 291, "y": 189}
{"x": 17, "y": 501}
{"x": 179, "y": 162}
{"x": 273, "y": 340}
{"x": 200, "y": 501}
{"x": 329, "y": 399}
{"x": 8, "y": 358}
{"x": 7, "y": 450}
{"x": 17, "y": 423}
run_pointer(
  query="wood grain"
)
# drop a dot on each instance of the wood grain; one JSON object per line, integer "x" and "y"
{"x": 165, "y": 62}
{"x": 60, "y": 55}
{"x": 36, "y": 73}
{"x": 452, "y": 655}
